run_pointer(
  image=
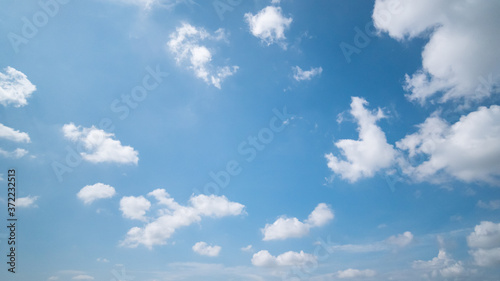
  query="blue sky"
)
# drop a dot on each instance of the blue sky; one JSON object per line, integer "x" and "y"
{"x": 251, "y": 140}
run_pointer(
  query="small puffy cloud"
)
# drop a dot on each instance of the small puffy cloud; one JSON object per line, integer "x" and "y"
{"x": 186, "y": 45}
{"x": 467, "y": 150}
{"x": 284, "y": 227}
{"x": 355, "y": 273}
{"x": 13, "y": 135}
{"x": 134, "y": 207}
{"x": 248, "y": 248}
{"x": 301, "y": 75}
{"x": 265, "y": 259}
{"x": 90, "y": 193}
{"x": 16, "y": 154}
{"x": 104, "y": 260}
{"x": 15, "y": 88}
{"x": 173, "y": 216}
{"x": 83, "y": 277}
{"x": 485, "y": 244}
{"x": 392, "y": 243}
{"x": 269, "y": 25}
{"x": 204, "y": 249}
{"x": 442, "y": 265}
{"x": 367, "y": 155}
{"x": 26, "y": 202}
{"x": 100, "y": 146}
{"x": 492, "y": 205}
{"x": 455, "y": 62}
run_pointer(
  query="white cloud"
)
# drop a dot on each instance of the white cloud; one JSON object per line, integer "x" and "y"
{"x": 204, "y": 249}
{"x": 15, "y": 88}
{"x": 13, "y": 135}
{"x": 83, "y": 277}
{"x": 248, "y": 248}
{"x": 467, "y": 150}
{"x": 53, "y": 278}
{"x": 25, "y": 202}
{"x": 174, "y": 216}
{"x": 456, "y": 61}
{"x": 284, "y": 227}
{"x": 100, "y": 145}
{"x": 134, "y": 207}
{"x": 355, "y": 273}
{"x": 301, "y": 75}
{"x": 90, "y": 193}
{"x": 485, "y": 241}
{"x": 269, "y": 25}
{"x": 367, "y": 155}
{"x": 265, "y": 259}
{"x": 149, "y": 4}
{"x": 492, "y": 205}
{"x": 104, "y": 260}
{"x": 185, "y": 45}
{"x": 392, "y": 243}
{"x": 442, "y": 265}
{"x": 16, "y": 154}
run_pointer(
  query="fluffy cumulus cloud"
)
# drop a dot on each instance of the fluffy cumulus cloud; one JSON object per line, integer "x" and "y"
{"x": 441, "y": 266}
{"x": 172, "y": 216}
{"x": 26, "y": 202}
{"x": 100, "y": 146}
{"x": 461, "y": 59}
{"x": 392, "y": 243}
{"x": 202, "y": 248}
{"x": 13, "y": 135}
{"x": 15, "y": 88}
{"x": 284, "y": 227}
{"x": 16, "y": 154}
{"x": 485, "y": 244}
{"x": 467, "y": 150}
{"x": 355, "y": 273}
{"x": 90, "y": 193}
{"x": 301, "y": 75}
{"x": 269, "y": 25}
{"x": 186, "y": 44}
{"x": 366, "y": 155}
{"x": 134, "y": 207}
{"x": 265, "y": 259}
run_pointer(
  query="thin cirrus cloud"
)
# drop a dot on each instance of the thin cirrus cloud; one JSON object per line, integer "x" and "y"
{"x": 368, "y": 154}
{"x": 391, "y": 243}
{"x": 100, "y": 146}
{"x": 284, "y": 227}
{"x": 456, "y": 61}
{"x": 305, "y": 75}
{"x": 269, "y": 25}
{"x": 91, "y": 193}
{"x": 265, "y": 259}
{"x": 15, "y": 88}
{"x": 203, "y": 249}
{"x": 187, "y": 46}
{"x": 174, "y": 216}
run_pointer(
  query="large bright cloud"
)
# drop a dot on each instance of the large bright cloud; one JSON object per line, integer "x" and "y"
{"x": 90, "y": 193}
{"x": 100, "y": 145}
{"x": 284, "y": 227}
{"x": 485, "y": 244}
{"x": 174, "y": 216}
{"x": 15, "y": 88}
{"x": 186, "y": 45}
{"x": 467, "y": 150}
{"x": 269, "y": 25}
{"x": 461, "y": 59}
{"x": 265, "y": 259}
{"x": 367, "y": 155}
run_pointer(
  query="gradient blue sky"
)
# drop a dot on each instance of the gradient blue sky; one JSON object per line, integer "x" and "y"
{"x": 353, "y": 140}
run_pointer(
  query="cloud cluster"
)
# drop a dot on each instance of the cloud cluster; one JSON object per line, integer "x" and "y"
{"x": 269, "y": 25}
{"x": 173, "y": 216}
{"x": 186, "y": 45}
{"x": 461, "y": 59}
{"x": 15, "y": 88}
{"x": 100, "y": 146}
{"x": 265, "y": 259}
{"x": 301, "y": 75}
{"x": 442, "y": 265}
{"x": 485, "y": 244}
{"x": 284, "y": 227}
